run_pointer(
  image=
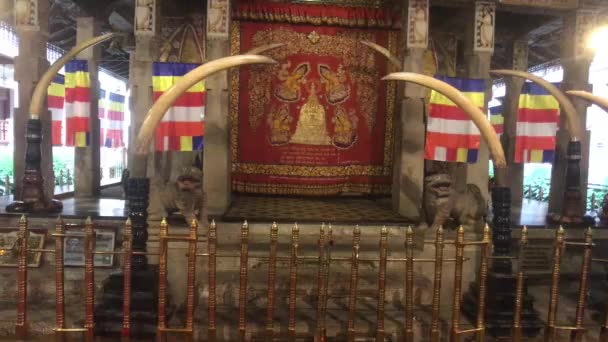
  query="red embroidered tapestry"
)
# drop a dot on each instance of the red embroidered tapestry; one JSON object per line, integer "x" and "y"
{"x": 320, "y": 122}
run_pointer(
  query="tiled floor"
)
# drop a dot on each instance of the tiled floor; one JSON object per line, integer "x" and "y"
{"x": 358, "y": 210}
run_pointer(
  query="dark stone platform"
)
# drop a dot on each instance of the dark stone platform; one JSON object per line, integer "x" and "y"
{"x": 79, "y": 207}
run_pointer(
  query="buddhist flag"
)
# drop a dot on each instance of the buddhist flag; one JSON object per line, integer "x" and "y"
{"x": 55, "y": 99}
{"x": 537, "y": 123}
{"x": 101, "y": 111}
{"x": 451, "y": 135}
{"x": 115, "y": 118}
{"x": 182, "y": 127}
{"x": 77, "y": 103}
{"x": 497, "y": 119}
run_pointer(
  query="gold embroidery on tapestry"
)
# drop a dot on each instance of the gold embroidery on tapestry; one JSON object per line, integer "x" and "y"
{"x": 345, "y": 128}
{"x": 279, "y": 122}
{"x": 289, "y": 88}
{"x": 363, "y": 72}
{"x": 311, "y": 128}
{"x": 337, "y": 91}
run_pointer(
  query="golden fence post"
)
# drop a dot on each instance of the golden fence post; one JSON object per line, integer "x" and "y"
{"x": 191, "y": 277}
{"x": 454, "y": 331}
{"x": 328, "y": 245}
{"x": 89, "y": 279}
{"x": 22, "y": 237}
{"x": 272, "y": 275}
{"x": 382, "y": 284}
{"x": 354, "y": 279}
{"x": 293, "y": 283}
{"x": 162, "y": 280}
{"x": 577, "y": 335}
{"x": 212, "y": 249}
{"x": 243, "y": 282}
{"x": 554, "y": 292}
{"x": 486, "y": 250}
{"x": 604, "y": 330}
{"x": 59, "y": 277}
{"x": 127, "y": 251}
{"x": 409, "y": 285}
{"x": 320, "y": 284}
{"x": 435, "y": 332}
{"x": 519, "y": 287}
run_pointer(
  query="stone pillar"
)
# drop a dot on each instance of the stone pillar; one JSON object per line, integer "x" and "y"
{"x": 408, "y": 172}
{"x": 30, "y": 65}
{"x": 216, "y": 153}
{"x": 140, "y": 83}
{"x": 510, "y": 108}
{"x": 86, "y": 159}
{"x": 576, "y": 60}
{"x": 479, "y": 47}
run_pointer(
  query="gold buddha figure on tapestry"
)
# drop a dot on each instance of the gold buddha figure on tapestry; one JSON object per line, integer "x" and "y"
{"x": 345, "y": 128}
{"x": 337, "y": 90}
{"x": 312, "y": 127}
{"x": 289, "y": 88}
{"x": 279, "y": 122}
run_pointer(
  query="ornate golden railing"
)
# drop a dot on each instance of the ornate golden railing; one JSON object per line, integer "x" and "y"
{"x": 324, "y": 258}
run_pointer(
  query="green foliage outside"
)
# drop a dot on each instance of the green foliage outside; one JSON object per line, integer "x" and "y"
{"x": 63, "y": 158}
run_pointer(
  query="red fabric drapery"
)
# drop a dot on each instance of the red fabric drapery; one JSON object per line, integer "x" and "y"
{"x": 320, "y": 122}
{"x": 316, "y": 14}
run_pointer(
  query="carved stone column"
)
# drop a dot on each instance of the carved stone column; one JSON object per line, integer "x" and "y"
{"x": 216, "y": 153}
{"x": 86, "y": 159}
{"x": 510, "y": 109}
{"x": 408, "y": 172}
{"x": 480, "y": 47}
{"x": 33, "y": 154}
{"x": 144, "y": 282}
{"x": 501, "y": 282}
{"x": 570, "y": 172}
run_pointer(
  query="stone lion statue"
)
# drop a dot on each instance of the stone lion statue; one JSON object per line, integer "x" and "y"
{"x": 442, "y": 205}
{"x": 185, "y": 195}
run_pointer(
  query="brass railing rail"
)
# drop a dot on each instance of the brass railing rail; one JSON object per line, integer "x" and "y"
{"x": 324, "y": 259}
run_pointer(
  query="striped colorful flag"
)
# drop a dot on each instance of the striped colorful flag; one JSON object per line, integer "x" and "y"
{"x": 77, "y": 103}
{"x": 55, "y": 100}
{"x": 451, "y": 135}
{"x": 113, "y": 124}
{"x": 537, "y": 124}
{"x": 101, "y": 111}
{"x": 182, "y": 128}
{"x": 497, "y": 119}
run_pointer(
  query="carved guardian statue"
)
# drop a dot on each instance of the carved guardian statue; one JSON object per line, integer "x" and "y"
{"x": 443, "y": 205}
{"x": 185, "y": 195}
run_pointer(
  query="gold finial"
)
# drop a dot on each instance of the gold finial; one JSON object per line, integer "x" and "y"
{"x": 88, "y": 220}
{"x": 357, "y": 229}
{"x": 295, "y": 227}
{"x": 59, "y": 225}
{"x": 460, "y": 230}
{"x": 213, "y": 223}
{"x": 524, "y": 235}
{"x": 23, "y": 219}
{"x": 164, "y": 229}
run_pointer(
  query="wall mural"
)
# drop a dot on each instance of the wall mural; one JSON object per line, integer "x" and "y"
{"x": 320, "y": 122}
